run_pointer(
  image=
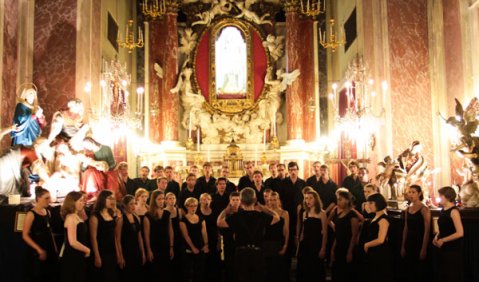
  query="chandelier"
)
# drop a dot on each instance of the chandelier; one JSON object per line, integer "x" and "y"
{"x": 115, "y": 108}
{"x": 157, "y": 8}
{"x": 332, "y": 39}
{"x": 312, "y": 8}
{"x": 360, "y": 119}
{"x": 130, "y": 43}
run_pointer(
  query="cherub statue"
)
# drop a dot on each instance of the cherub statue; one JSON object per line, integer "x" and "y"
{"x": 217, "y": 8}
{"x": 188, "y": 41}
{"x": 275, "y": 46}
{"x": 252, "y": 16}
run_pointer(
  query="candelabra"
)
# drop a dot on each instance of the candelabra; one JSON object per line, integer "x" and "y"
{"x": 312, "y": 8}
{"x": 332, "y": 39}
{"x": 158, "y": 8}
{"x": 130, "y": 43}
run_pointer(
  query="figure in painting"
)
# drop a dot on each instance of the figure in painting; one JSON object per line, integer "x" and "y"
{"x": 118, "y": 104}
{"x": 29, "y": 119}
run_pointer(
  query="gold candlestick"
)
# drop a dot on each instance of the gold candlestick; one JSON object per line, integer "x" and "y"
{"x": 190, "y": 145}
{"x": 274, "y": 143}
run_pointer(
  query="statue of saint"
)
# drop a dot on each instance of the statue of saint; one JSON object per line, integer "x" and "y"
{"x": 29, "y": 119}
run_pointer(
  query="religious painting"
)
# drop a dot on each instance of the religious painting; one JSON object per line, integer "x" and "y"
{"x": 230, "y": 65}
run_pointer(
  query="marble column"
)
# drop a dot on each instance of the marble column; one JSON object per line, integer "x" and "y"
{"x": 294, "y": 97}
{"x": 306, "y": 79}
{"x": 168, "y": 53}
{"x": 9, "y": 11}
{"x": 154, "y": 56}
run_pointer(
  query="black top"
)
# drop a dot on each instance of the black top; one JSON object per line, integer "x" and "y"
{"x": 175, "y": 224}
{"x": 446, "y": 228}
{"x": 130, "y": 186}
{"x": 343, "y": 230}
{"x": 275, "y": 232}
{"x": 69, "y": 252}
{"x": 219, "y": 203}
{"x": 194, "y": 231}
{"x": 230, "y": 186}
{"x": 185, "y": 194}
{"x": 129, "y": 239}
{"x": 159, "y": 236}
{"x": 259, "y": 194}
{"x": 173, "y": 187}
{"x": 272, "y": 183}
{"x": 312, "y": 235}
{"x": 415, "y": 230}
{"x": 291, "y": 196}
{"x": 105, "y": 235}
{"x": 373, "y": 231}
{"x": 244, "y": 182}
{"x": 356, "y": 188}
{"x": 326, "y": 191}
{"x": 249, "y": 227}
{"x": 204, "y": 186}
{"x": 211, "y": 229}
{"x": 41, "y": 233}
{"x": 148, "y": 184}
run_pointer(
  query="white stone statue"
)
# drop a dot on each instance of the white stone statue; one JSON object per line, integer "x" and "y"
{"x": 188, "y": 41}
{"x": 158, "y": 70}
{"x": 217, "y": 8}
{"x": 252, "y": 16}
{"x": 275, "y": 46}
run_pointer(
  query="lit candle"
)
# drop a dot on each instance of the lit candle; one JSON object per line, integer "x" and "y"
{"x": 320, "y": 35}
{"x": 385, "y": 89}
{"x": 189, "y": 126}
{"x": 264, "y": 140}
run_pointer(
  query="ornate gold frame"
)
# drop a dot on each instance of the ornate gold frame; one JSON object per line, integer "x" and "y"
{"x": 231, "y": 106}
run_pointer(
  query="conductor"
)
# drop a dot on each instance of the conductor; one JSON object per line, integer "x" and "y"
{"x": 248, "y": 225}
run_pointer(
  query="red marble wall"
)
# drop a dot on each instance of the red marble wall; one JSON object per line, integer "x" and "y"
{"x": 54, "y": 55}
{"x": 9, "y": 65}
{"x": 409, "y": 75}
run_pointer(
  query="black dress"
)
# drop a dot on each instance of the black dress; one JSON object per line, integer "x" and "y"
{"x": 41, "y": 233}
{"x": 379, "y": 258}
{"x": 194, "y": 264}
{"x": 73, "y": 262}
{"x": 212, "y": 263}
{"x": 276, "y": 266}
{"x": 131, "y": 249}
{"x": 450, "y": 255}
{"x": 413, "y": 245}
{"x": 309, "y": 263}
{"x": 160, "y": 245}
{"x": 108, "y": 272}
{"x": 176, "y": 268}
{"x": 342, "y": 270}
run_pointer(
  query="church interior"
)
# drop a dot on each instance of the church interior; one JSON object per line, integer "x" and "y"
{"x": 97, "y": 93}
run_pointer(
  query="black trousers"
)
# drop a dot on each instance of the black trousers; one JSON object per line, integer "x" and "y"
{"x": 249, "y": 265}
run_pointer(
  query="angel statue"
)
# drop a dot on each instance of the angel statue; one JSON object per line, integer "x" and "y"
{"x": 29, "y": 119}
{"x": 252, "y": 16}
{"x": 217, "y": 8}
{"x": 188, "y": 41}
{"x": 275, "y": 46}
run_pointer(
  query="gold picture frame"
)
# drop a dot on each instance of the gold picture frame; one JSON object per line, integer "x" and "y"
{"x": 19, "y": 220}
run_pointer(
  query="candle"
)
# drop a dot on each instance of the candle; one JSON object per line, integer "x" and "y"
{"x": 320, "y": 36}
{"x": 197, "y": 139}
{"x": 274, "y": 124}
{"x": 189, "y": 126}
{"x": 264, "y": 140}
{"x": 385, "y": 89}
{"x": 256, "y": 155}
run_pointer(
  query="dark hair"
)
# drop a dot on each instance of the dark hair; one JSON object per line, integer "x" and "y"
{"x": 317, "y": 162}
{"x": 158, "y": 168}
{"x": 449, "y": 193}
{"x": 419, "y": 190}
{"x": 258, "y": 172}
{"x": 169, "y": 167}
{"x": 272, "y": 164}
{"x": 353, "y": 163}
{"x": 158, "y": 180}
{"x": 324, "y": 166}
{"x": 207, "y": 164}
{"x": 190, "y": 175}
{"x": 365, "y": 169}
{"x": 234, "y": 194}
{"x": 293, "y": 164}
{"x": 379, "y": 201}
{"x": 193, "y": 166}
{"x": 221, "y": 179}
{"x": 40, "y": 191}
{"x": 145, "y": 167}
{"x": 101, "y": 202}
{"x": 280, "y": 164}
{"x": 267, "y": 190}
{"x": 248, "y": 196}
{"x": 153, "y": 206}
{"x": 318, "y": 203}
{"x": 93, "y": 141}
{"x": 348, "y": 196}
{"x": 127, "y": 199}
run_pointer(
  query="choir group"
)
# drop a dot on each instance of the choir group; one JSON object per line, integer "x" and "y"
{"x": 208, "y": 229}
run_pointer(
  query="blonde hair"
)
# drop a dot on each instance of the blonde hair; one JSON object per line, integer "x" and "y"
{"x": 190, "y": 201}
{"x": 68, "y": 206}
{"x": 140, "y": 192}
{"x": 205, "y": 195}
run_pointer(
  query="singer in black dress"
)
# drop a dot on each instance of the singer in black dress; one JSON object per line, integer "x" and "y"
{"x": 73, "y": 262}
{"x": 175, "y": 214}
{"x": 131, "y": 242}
{"x": 416, "y": 236}
{"x": 346, "y": 230}
{"x": 159, "y": 238}
{"x": 37, "y": 234}
{"x": 212, "y": 259}
{"x": 102, "y": 236}
{"x": 378, "y": 254}
{"x": 449, "y": 239}
{"x": 312, "y": 241}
